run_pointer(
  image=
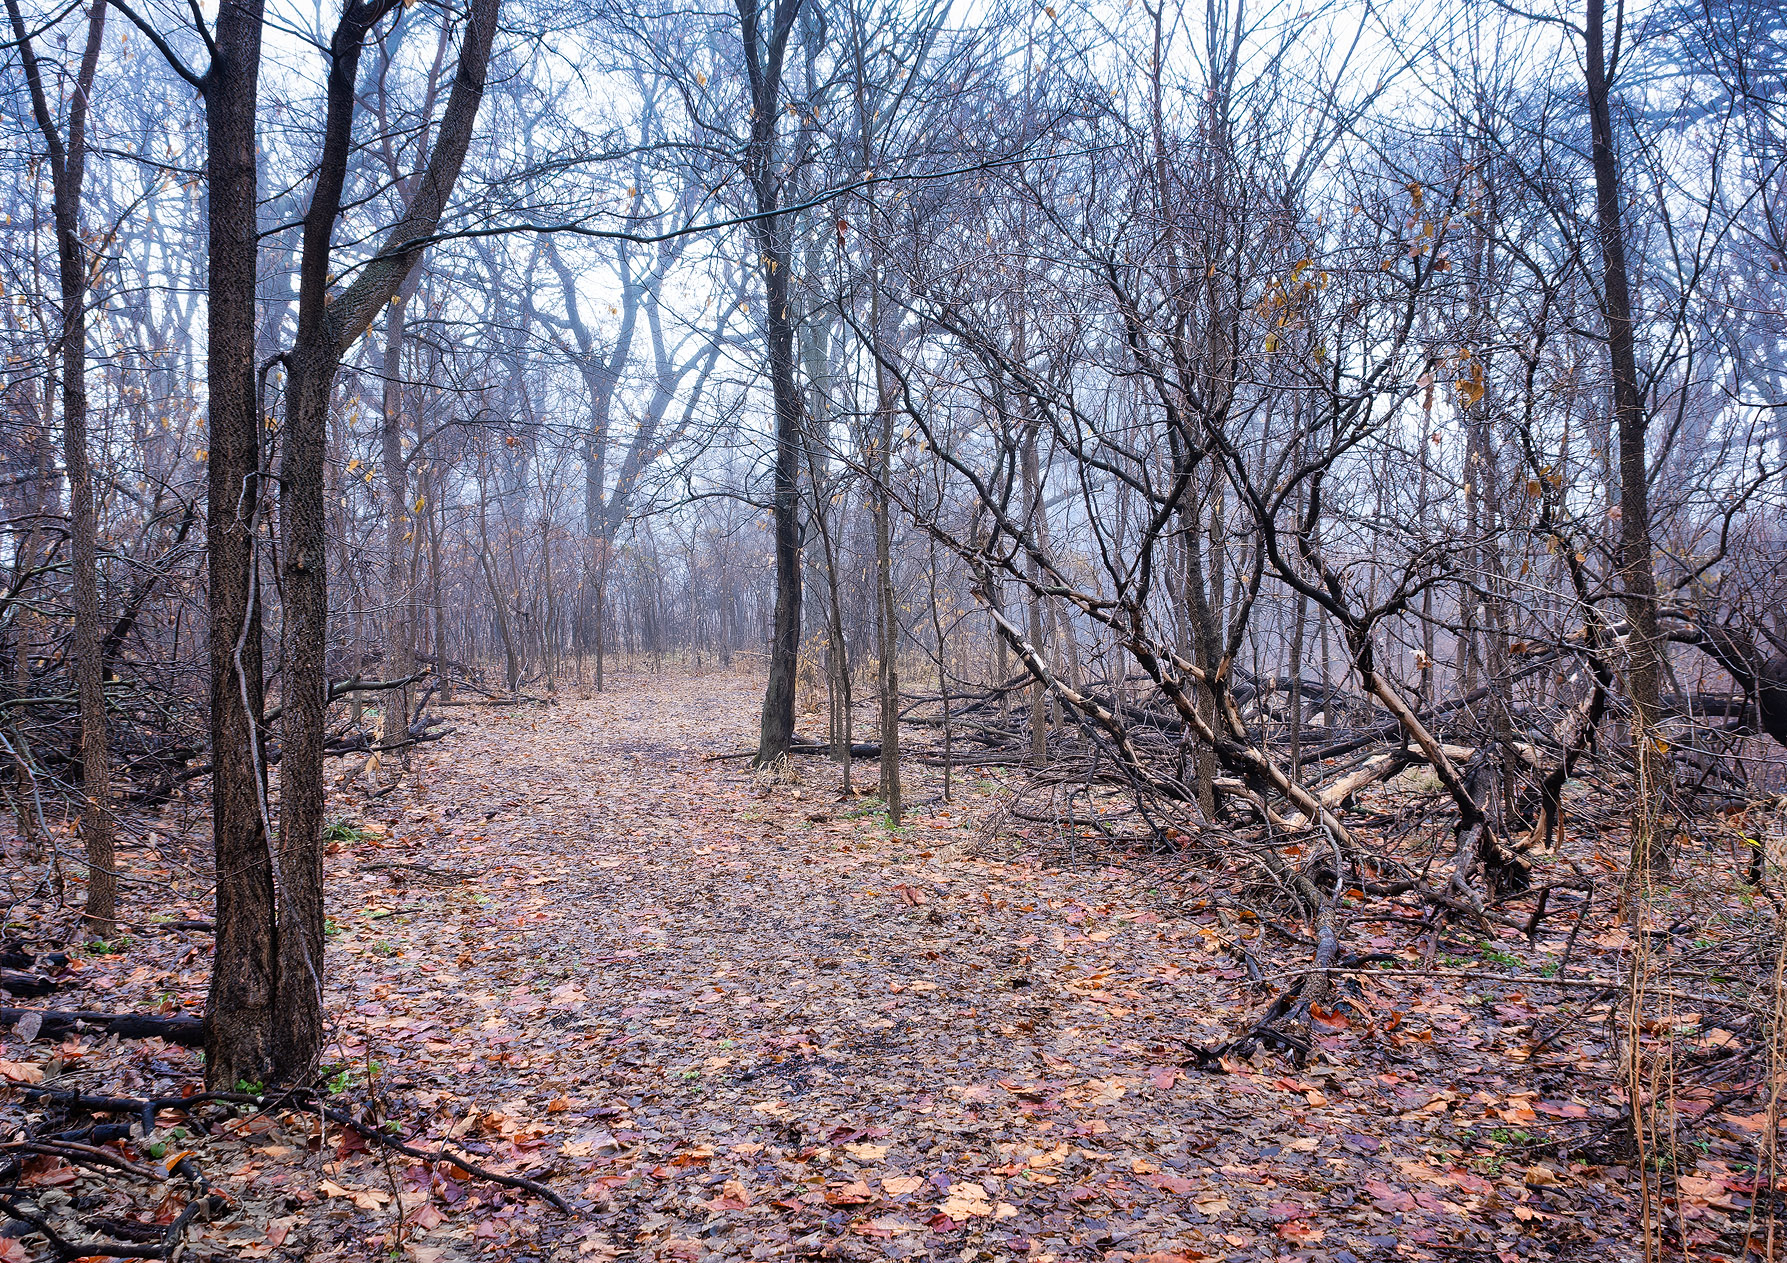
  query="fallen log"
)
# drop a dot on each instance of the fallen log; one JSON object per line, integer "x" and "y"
{"x": 169, "y": 927}
{"x": 186, "y": 1031}
{"x": 304, "y": 1099}
{"x": 24, "y": 985}
{"x": 14, "y": 956}
{"x": 428, "y": 874}
{"x": 858, "y": 749}
{"x": 804, "y": 745}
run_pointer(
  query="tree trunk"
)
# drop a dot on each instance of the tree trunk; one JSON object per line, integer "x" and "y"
{"x": 304, "y": 587}
{"x": 499, "y": 602}
{"x": 400, "y": 525}
{"x": 328, "y": 326}
{"x": 887, "y": 610}
{"x": 1637, "y": 578}
{"x": 435, "y": 514}
{"x": 942, "y": 676}
{"x": 777, "y": 730}
{"x": 764, "y": 52}
{"x": 605, "y": 548}
{"x": 67, "y": 169}
{"x": 1030, "y": 475}
{"x": 239, "y": 1008}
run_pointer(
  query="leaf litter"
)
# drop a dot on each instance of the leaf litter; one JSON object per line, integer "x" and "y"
{"x": 727, "y": 1017}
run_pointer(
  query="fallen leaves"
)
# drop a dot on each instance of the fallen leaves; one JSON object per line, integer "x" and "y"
{"x": 968, "y": 1200}
{"x": 733, "y": 1196}
{"x": 20, "y": 1072}
{"x": 364, "y": 1198}
{"x": 666, "y": 998}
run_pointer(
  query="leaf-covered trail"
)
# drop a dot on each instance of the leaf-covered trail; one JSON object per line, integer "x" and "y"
{"x": 735, "y": 1020}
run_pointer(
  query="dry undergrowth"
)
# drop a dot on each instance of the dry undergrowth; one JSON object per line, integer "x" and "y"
{"x": 728, "y": 1015}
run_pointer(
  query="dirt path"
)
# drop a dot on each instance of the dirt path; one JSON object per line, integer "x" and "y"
{"x": 732, "y": 1020}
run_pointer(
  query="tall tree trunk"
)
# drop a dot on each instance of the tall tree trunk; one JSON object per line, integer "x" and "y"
{"x": 1031, "y": 481}
{"x": 1637, "y": 577}
{"x": 67, "y": 172}
{"x": 777, "y": 729}
{"x": 239, "y": 1008}
{"x": 328, "y": 326}
{"x": 887, "y": 610}
{"x": 605, "y": 549}
{"x": 400, "y": 525}
{"x": 304, "y": 709}
{"x": 498, "y": 600}
{"x": 549, "y": 619}
{"x": 764, "y": 51}
{"x": 435, "y": 513}
{"x": 942, "y": 677}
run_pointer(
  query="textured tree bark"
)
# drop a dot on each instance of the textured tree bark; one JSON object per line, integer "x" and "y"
{"x": 403, "y": 521}
{"x": 777, "y": 730}
{"x": 942, "y": 676}
{"x": 1637, "y": 578}
{"x": 838, "y": 656}
{"x": 435, "y": 513}
{"x": 763, "y": 53}
{"x": 239, "y": 1009}
{"x": 1030, "y": 476}
{"x": 886, "y": 604}
{"x": 67, "y": 171}
{"x": 303, "y": 580}
{"x": 328, "y": 326}
{"x": 310, "y": 375}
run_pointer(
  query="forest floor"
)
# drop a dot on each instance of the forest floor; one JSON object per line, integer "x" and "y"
{"x": 726, "y": 1018}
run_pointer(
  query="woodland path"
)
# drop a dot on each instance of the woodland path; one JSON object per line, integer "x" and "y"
{"x": 736, "y": 1020}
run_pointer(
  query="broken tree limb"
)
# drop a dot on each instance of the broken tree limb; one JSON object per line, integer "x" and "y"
{"x": 443, "y": 1154}
{"x": 298, "y": 1099}
{"x": 424, "y": 871}
{"x": 186, "y": 1031}
{"x": 305, "y": 1099}
{"x": 169, "y": 1243}
{"x": 24, "y": 985}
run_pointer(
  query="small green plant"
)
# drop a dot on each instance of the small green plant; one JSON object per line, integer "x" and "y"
{"x": 385, "y": 948}
{"x": 109, "y": 947}
{"x": 342, "y": 830}
{"x": 339, "y": 1078}
{"x": 1493, "y": 953}
{"x": 1505, "y": 1136}
{"x": 251, "y": 1086}
{"x": 331, "y": 928}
